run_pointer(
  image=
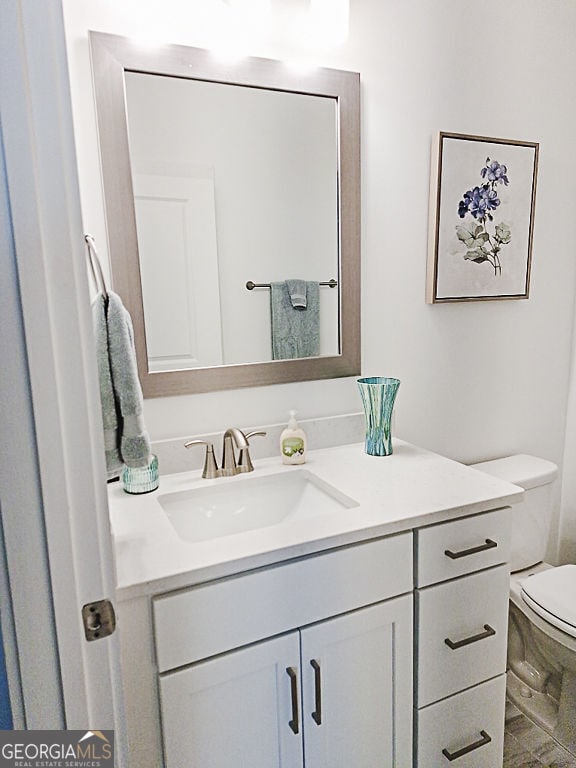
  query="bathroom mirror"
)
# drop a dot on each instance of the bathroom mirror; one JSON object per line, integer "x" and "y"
{"x": 219, "y": 175}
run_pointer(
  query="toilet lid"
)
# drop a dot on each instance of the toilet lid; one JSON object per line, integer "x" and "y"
{"x": 552, "y": 594}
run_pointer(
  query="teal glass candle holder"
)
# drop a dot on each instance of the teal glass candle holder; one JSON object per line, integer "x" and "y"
{"x": 140, "y": 479}
{"x": 378, "y": 395}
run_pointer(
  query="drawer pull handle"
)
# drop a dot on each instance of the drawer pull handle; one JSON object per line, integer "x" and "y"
{"x": 488, "y": 544}
{"x": 317, "y": 714}
{"x": 486, "y": 739}
{"x": 454, "y": 644}
{"x": 294, "y": 723}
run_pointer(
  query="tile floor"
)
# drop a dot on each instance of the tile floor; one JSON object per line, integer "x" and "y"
{"x": 528, "y": 746}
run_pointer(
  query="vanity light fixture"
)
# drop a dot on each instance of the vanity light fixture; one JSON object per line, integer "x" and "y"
{"x": 315, "y": 23}
{"x": 326, "y": 23}
{"x": 300, "y": 66}
{"x": 247, "y": 22}
{"x": 250, "y": 7}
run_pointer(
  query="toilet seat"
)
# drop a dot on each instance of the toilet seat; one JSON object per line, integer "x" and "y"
{"x": 552, "y": 595}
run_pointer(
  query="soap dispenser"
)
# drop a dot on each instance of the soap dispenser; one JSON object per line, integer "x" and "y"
{"x": 293, "y": 442}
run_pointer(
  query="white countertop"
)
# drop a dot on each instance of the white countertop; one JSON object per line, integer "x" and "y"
{"x": 406, "y": 490}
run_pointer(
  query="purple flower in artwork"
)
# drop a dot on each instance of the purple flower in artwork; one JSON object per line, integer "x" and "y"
{"x": 494, "y": 172}
{"x": 483, "y": 245}
{"x": 465, "y": 203}
{"x": 479, "y": 201}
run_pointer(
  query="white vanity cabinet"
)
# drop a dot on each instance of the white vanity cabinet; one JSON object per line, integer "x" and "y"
{"x": 325, "y": 696}
{"x": 307, "y": 664}
{"x": 461, "y": 609}
{"x": 374, "y": 637}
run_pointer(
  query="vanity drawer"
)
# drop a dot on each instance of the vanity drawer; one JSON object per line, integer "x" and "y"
{"x": 447, "y": 550}
{"x": 212, "y": 618}
{"x": 463, "y": 722}
{"x": 470, "y": 613}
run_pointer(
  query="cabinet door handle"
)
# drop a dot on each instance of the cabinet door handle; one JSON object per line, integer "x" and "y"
{"x": 294, "y": 723}
{"x": 488, "y": 544}
{"x": 454, "y": 644}
{"x": 486, "y": 739}
{"x": 317, "y": 714}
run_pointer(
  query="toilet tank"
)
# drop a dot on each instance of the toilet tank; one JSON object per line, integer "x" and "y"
{"x": 532, "y": 517}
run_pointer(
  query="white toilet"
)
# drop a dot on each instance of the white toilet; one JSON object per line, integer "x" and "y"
{"x": 542, "y": 617}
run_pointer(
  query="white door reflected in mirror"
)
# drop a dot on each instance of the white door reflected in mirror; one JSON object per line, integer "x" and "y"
{"x": 179, "y": 271}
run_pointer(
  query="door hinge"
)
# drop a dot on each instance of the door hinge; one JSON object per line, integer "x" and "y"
{"x": 99, "y": 619}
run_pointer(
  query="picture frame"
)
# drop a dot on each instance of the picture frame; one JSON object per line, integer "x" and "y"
{"x": 482, "y": 200}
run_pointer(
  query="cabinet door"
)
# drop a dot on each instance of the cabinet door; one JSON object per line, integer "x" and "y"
{"x": 235, "y": 709}
{"x": 357, "y": 688}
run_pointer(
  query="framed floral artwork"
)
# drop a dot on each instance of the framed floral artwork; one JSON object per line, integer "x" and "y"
{"x": 481, "y": 218}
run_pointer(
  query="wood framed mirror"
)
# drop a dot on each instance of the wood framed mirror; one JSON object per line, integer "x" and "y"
{"x": 219, "y": 174}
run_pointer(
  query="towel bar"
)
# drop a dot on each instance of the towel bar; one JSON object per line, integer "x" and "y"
{"x": 250, "y": 285}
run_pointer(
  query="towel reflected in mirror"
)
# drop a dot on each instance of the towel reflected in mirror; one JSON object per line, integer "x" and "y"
{"x": 295, "y": 315}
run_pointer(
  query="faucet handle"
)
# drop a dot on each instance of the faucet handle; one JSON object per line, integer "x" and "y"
{"x": 255, "y": 433}
{"x": 210, "y": 470}
{"x": 244, "y": 460}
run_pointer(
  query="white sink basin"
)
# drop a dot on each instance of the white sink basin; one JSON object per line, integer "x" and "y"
{"x": 217, "y": 510}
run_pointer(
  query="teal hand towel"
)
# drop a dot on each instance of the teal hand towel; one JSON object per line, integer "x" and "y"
{"x": 107, "y": 399}
{"x": 297, "y": 291}
{"x": 126, "y": 440}
{"x": 295, "y": 331}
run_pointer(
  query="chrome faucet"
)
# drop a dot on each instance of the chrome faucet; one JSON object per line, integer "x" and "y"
{"x": 233, "y": 437}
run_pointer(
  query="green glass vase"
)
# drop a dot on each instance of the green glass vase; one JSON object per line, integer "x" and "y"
{"x": 378, "y": 395}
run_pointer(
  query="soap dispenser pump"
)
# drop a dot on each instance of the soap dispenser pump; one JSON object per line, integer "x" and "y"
{"x": 293, "y": 442}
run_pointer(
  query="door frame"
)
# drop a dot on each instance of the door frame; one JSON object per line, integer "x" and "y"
{"x": 46, "y": 225}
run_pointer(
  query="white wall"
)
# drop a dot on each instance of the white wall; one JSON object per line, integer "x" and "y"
{"x": 478, "y": 379}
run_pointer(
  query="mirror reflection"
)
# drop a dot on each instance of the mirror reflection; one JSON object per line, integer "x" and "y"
{"x": 234, "y": 185}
